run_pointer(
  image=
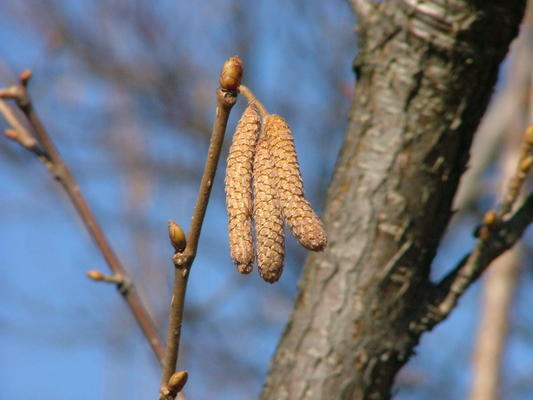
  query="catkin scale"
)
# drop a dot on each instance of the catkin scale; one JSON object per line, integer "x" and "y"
{"x": 296, "y": 210}
{"x": 239, "y": 189}
{"x": 270, "y": 236}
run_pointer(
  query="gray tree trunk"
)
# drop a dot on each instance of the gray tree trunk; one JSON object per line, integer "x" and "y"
{"x": 426, "y": 71}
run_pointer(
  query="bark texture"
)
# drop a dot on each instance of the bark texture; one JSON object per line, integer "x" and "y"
{"x": 426, "y": 70}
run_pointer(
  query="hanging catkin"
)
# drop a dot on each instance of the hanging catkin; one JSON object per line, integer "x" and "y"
{"x": 296, "y": 210}
{"x": 269, "y": 232}
{"x": 239, "y": 189}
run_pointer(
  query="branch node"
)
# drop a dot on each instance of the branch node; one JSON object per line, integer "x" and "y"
{"x": 122, "y": 282}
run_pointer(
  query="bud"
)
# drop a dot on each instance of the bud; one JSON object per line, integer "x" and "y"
{"x": 231, "y": 74}
{"x": 12, "y": 134}
{"x": 490, "y": 218}
{"x": 297, "y": 212}
{"x": 528, "y": 136}
{"x": 177, "y": 381}
{"x": 177, "y": 236}
{"x": 96, "y": 275}
{"x": 25, "y": 76}
{"x": 526, "y": 164}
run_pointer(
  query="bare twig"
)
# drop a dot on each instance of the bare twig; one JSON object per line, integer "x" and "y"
{"x": 498, "y": 237}
{"x": 46, "y": 151}
{"x": 226, "y": 98}
{"x": 498, "y": 232}
{"x": 250, "y": 97}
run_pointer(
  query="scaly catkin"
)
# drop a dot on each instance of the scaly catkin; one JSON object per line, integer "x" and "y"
{"x": 239, "y": 189}
{"x": 297, "y": 212}
{"x": 269, "y": 232}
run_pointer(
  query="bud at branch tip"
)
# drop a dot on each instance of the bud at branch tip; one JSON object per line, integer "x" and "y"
{"x": 231, "y": 74}
{"x": 96, "y": 275}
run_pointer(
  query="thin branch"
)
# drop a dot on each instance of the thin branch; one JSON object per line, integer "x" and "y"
{"x": 499, "y": 238}
{"x": 362, "y": 8}
{"x": 250, "y": 97}
{"x": 499, "y": 232}
{"x": 226, "y": 98}
{"x": 47, "y": 152}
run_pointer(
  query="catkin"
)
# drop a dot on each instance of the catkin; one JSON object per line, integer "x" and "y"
{"x": 296, "y": 210}
{"x": 239, "y": 189}
{"x": 269, "y": 232}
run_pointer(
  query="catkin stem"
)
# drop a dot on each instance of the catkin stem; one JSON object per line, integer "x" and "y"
{"x": 250, "y": 97}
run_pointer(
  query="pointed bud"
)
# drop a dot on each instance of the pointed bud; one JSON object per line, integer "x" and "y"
{"x": 231, "y": 74}
{"x": 528, "y": 136}
{"x": 490, "y": 218}
{"x": 526, "y": 164}
{"x": 177, "y": 381}
{"x": 177, "y": 236}
{"x": 96, "y": 275}
{"x": 12, "y": 134}
{"x": 25, "y": 76}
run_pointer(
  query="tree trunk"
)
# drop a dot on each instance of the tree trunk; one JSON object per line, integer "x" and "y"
{"x": 426, "y": 70}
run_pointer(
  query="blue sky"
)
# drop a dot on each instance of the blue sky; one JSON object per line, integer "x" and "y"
{"x": 66, "y": 337}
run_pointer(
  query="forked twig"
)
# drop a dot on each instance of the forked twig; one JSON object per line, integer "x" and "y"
{"x": 499, "y": 231}
{"x": 43, "y": 147}
{"x": 230, "y": 77}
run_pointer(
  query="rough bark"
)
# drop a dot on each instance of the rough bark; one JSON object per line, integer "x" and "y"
{"x": 425, "y": 70}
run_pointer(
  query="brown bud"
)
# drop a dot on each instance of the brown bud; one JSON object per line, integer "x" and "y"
{"x": 231, "y": 74}
{"x": 176, "y": 236}
{"x": 25, "y": 76}
{"x": 490, "y": 218}
{"x": 269, "y": 231}
{"x": 177, "y": 381}
{"x": 12, "y": 134}
{"x": 96, "y": 275}
{"x": 297, "y": 212}
{"x": 239, "y": 189}
{"x": 528, "y": 136}
{"x": 526, "y": 164}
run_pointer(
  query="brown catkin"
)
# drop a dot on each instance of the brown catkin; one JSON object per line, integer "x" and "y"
{"x": 296, "y": 210}
{"x": 239, "y": 189}
{"x": 270, "y": 236}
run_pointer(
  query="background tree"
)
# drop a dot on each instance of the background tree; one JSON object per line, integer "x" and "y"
{"x": 127, "y": 87}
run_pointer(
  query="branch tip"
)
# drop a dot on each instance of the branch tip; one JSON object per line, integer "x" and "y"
{"x": 25, "y": 77}
{"x": 12, "y": 134}
{"x": 96, "y": 275}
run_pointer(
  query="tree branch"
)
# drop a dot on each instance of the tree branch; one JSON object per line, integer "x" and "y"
{"x": 226, "y": 98}
{"x": 45, "y": 149}
{"x": 499, "y": 239}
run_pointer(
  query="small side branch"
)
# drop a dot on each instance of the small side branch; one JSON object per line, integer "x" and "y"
{"x": 183, "y": 258}
{"x": 42, "y": 146}
{"x": 499, "y": 231}
{"x": 500, "y": 238}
